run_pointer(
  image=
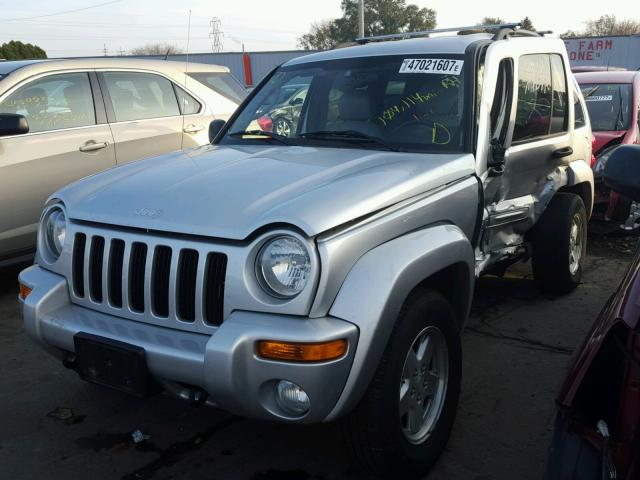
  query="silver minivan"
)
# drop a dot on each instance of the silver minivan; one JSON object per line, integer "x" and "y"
{"x": 62, "y": 120}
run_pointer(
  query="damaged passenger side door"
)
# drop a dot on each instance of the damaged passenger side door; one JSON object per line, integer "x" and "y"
{"x": 530, "y": 140}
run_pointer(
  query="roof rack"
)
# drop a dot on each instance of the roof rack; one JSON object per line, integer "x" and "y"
{"x": 503, "y": 30}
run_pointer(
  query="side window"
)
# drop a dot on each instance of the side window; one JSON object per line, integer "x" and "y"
{"x": 222, "y": 83}
{"x": 501, "y": 107}
{"x": 579, "y": 120}
{"x": 137, "y": 96}
{"x": 54, "y": 102}
{"x": 559, "y": 111}
{"x": 535, "y": 93}
{"x": 188, "y": 104}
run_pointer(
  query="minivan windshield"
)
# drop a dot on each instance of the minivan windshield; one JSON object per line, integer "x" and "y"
{"x": 388, "y": 102}
{"x": 609, "y": 105}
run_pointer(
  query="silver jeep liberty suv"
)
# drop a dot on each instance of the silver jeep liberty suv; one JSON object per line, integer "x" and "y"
{"x": 327, "y": 273}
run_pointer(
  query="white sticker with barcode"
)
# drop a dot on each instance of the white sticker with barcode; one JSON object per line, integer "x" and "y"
{"x": 431, "y": 65}
{"x": 600, "y": 98}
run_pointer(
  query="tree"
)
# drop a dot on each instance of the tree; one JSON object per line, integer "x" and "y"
{"x": 381, "y": 17}
{"x": 156, "y": 49}
{"x": 491, "y": 21}
{"x": 15, "y": 50}
{"x": 609, "y": 25}
{"x": 527, "y": 24}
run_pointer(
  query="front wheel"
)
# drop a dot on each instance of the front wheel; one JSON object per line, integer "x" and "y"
{"x": 560, "y": 244}
{"x": 282, "y": 127}
{"x": 404, "y": 420}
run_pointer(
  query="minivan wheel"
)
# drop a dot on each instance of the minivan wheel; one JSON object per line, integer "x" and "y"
{"x": 560, "y": 244}
{"x": 404, "y": 419}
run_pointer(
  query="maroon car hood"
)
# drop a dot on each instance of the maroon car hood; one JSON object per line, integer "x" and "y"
{"x": 604, "y": 138}
{"x": 622, "y": 306}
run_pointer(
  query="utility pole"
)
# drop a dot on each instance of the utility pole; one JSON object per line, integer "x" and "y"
{"x": 215, "y": 34}
{"x": 361, "y": 18}
{"x": 104, "y": 50}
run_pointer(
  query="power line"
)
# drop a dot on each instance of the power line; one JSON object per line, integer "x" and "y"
{"x": 64, "y": 12}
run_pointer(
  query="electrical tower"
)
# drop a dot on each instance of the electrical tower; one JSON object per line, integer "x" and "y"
{"x": 215, "y": 34}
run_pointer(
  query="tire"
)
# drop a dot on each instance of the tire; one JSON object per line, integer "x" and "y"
{"x": 557, "y": 265}
{"x": 375, "y": 430}
{"x": 282, "y": 126}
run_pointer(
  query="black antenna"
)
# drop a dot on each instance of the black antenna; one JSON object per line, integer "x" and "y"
{"x": 166, "y": 55}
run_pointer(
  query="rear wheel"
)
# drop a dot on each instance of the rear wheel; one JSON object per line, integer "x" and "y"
{"x": 404, "y": 420}
{"x": 560, "y": 244}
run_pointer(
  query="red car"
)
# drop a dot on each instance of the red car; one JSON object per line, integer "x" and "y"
{"x": 597, "y": 431}
{"x": 612, "y": 99}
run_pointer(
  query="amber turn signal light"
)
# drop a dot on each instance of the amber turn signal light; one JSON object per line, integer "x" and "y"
{"x": 302, "y": 352}
{"x": 24, "y": 291}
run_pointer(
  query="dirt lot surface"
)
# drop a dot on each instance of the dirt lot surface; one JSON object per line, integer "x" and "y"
{"x": 517, "y": 345}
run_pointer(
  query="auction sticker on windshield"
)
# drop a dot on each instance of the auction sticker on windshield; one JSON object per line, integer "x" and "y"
{"x": 431, "y": 65}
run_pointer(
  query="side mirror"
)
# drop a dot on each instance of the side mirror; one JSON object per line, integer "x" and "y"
{"x": 622, "y": 171}
{"x": 214, "y": 129}
{"x": 13, "y": 124}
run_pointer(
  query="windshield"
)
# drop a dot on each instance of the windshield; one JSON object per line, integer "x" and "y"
{"x": 391, "y": 102}
{"x": 609, "y": 105}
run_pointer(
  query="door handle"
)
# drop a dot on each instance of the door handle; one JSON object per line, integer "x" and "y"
{"x": 193, "y": 128}
{"x": 562, "y": 152}
{"x": 93, "y": 146}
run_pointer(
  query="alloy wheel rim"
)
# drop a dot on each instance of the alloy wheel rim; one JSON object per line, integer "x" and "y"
{"x": 283, "y": 128}
{"x": 423, "y": 385}
{"x": 575, "y": 244}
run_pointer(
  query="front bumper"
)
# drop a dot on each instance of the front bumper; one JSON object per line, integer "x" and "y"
{"x": 224, "y": 364}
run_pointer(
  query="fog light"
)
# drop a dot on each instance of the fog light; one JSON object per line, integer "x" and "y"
{"x": 292, "y": 398}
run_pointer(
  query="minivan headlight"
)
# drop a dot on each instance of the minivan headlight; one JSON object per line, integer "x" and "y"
{"x": 54, "y": 231}
{"x": 283, "y": 266}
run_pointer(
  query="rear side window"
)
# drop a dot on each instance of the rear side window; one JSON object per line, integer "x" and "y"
{"x": 188, "y": 104}
{"x": 138, "y": 96}
{"x": 559, "y": 112}
{"x": 542, "y": 97}
{"x": 222, "y": 83}
{"x": 579, "y": 120}
{"x": 54, "y": 102}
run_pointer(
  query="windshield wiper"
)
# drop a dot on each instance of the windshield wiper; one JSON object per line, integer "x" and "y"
{"x": 591, "y": 91}
{"x": 261, "y": 134}
{"x": 347, "y": 135}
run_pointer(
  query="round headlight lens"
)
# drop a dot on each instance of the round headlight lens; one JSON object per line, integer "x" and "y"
{"x": 55, "y": 231}
{"x": 284, "y": 266}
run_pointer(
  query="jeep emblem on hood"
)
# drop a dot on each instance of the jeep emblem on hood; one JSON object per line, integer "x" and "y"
{"x": 148, "y": 212}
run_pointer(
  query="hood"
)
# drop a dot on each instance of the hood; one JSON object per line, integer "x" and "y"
{"x": 231, "y": 191}
{"x": 605, "y": 138}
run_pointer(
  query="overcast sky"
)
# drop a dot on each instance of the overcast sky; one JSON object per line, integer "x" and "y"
{"x": 260, "y": 24}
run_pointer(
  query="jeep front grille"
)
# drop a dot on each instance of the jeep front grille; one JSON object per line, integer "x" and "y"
{"x": 149, "y": 278}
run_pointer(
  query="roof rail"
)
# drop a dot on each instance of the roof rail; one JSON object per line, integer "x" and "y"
{"x": 426, "y": 33}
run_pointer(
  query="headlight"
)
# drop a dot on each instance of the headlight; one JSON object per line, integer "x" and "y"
{"x": 283, "y": 266}
{"x": 54, "y": 231}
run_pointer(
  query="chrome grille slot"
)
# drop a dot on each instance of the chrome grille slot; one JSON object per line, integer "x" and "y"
{"x": 96, "y": 256}
{"x": 116, "y": 258}
{"x": 179, "y": 283}
{"x": 137, "y": 265}
{"x": 160, "y": 281}
{"x": 187, "y": 274}
{"x": 214, "y": 288}
{"x": 77, "y": 266}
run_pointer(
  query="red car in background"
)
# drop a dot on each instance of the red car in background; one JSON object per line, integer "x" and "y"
{"x": 613, "y": 101}
{"x": 597, "y": 429}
